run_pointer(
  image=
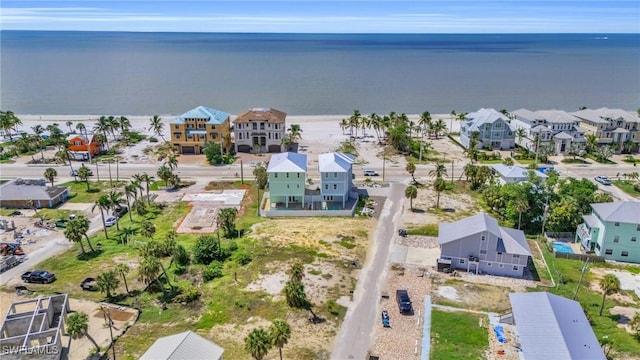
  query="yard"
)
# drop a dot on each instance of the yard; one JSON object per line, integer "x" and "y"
{"x": 80, "y": 194}
{"x": 627, "y": 186}
{"x": 458, "y": 335}
{"x": 244, "y": 297}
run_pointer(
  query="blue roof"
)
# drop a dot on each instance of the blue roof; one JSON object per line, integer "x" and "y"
{"x": 203, "y": 112}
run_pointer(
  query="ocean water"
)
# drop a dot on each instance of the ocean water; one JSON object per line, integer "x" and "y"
{"x": 310, "y": 74}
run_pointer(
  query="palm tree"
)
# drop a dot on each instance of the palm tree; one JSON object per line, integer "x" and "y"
{"x": 124, "y": 124}
{"x": 103, "y": 126}
{"x": 295, "y": 132}
{"x": 77, "y": 325}
{"x": 354, "y": 122}
{"x": 520, "y": 134}
{"x": 438, "y": 127}
{"x": 521, "y": 205}
{"x": 116, "y": 200}
{"x": 149, "y": 270}
{"x": 411, "y": 169}
{"x": 123, "y": 269}
{"x": 439, "y": 186}
{"x": 9, "y": 121}
{"x": 344, "y": 123}
{"x": 127, "y": 232}
{"x": 165, "y": 174}
{"x": 83, "y": 174}
{"x": 147, "y": 229}
{"x": 439, "y": 171}
{"x": 411, "y": 192}
{"x": 69, "y": 123}
{"x": 72, "y": 233}
{"x": 297, "y": 272}
{"x": 83, "y": 129}
{"x": 131, "y": 190}
{"x": 155, "y": 125}
{"x": 38, "y": 130}
{"x": 425, "y": 123}
{"x": 147, "y": 180}
{"x": 603, "y": 153}
{"x": 103, "y": 204}
{"x": 297, "y": 298}
{"x": 50, "y": 174}
{"x": 107, "y": 282}
{"x": 471, "y": 150}
{"x": 280, "y": 332}
{"x": 258, "y": 343}
{"x": 609, "y": 284}
{"x": 591, "y": 142}
{"x": 83, "y": 224}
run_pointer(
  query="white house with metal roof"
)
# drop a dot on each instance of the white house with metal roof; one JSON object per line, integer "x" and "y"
{"x": 183, "y": 346}
{"x": 612, "y": 126}
{"x": 478, "y": 244}
{"x": 287, "y": 175}
{"x": 336, "y": 177}
{"x": 549, "y": 326}
{"x": 493, "y": 127}
{"x": 546, "y": 127}
{"x": 612, "y": 230}
{"x": 515, "y": 174}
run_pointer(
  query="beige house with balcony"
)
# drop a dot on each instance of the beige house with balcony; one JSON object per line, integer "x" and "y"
{"x": 260, "y": 130}
{"x": 612, "y": 126}
{"x": 193, "y": 129}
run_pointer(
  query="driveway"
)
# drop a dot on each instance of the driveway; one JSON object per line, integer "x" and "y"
{"x": 357, "y": 331}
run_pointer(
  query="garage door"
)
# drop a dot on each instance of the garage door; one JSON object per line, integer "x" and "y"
{"x": 188, "y": 150}
{"x": 274, "y": 148}
{"x": 244, "y": 148}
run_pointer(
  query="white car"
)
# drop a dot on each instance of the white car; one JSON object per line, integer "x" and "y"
{"x": 603, "y": 180}
{"x": 112, "y": 220}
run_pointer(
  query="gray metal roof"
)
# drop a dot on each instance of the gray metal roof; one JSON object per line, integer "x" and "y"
{"x": 486, "y": 116}
{"x": 288, "y": 162}
{"x": 516, "y": 172}
{"x": 29, "y": 189}
{"x": 553, "y": 327}
{"x": 562, "y": 135}
{"x": 335, "y": 162}
{"x": 619, "y": 211}
{"x": 513, "y": 240}
{"x": 590, "y": 220}
{"x": 183, "y": 346}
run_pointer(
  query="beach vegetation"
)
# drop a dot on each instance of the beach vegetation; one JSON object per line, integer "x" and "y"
{"x": 156, "y": 125}
{"x": 9, "y": 123}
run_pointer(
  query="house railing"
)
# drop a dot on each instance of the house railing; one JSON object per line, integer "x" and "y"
{"x": 583, "y": 233}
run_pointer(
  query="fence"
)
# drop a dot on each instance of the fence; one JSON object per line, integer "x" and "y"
{"x": 560, "y": 236}
{"x": 581, "y": 257}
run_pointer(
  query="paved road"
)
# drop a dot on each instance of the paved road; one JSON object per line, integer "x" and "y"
{"x": 356, "y": 333}
{"x": 57, "y": 244}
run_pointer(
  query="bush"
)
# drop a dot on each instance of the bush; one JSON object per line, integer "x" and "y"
{"x": 181, "y": 256}
{"x": 242, "y": 257}
{"x": 179, "y": 270}
{"x": 205, "y": 250}
{"x": 232, "y": 246}
{"x": 187, "y": 295}
{"x": 212, "y": 271}
{"x": 153, "y": 139}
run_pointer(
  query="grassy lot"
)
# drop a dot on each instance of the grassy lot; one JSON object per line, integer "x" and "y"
{"x": 567, "y": 274}
{"x": 594, "y": 158}
{"x": 225, "y": 308}
{"x": 496, "y": 161}
{"x": 626, "y": 186}
{"x": 456, "y": 335}
{"x": 574, "y": 161}
{"x": 423, "y": 229}
{"x": 80, "y": 194}
{"x": 539, "y": 269}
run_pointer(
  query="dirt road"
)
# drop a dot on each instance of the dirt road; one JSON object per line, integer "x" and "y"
{"x": 356, "y": 332}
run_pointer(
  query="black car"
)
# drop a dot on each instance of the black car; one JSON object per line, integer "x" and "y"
{"x": 120, "y": 211}
{"x": 38, "y": 276}
{"x": 404, "y": 302}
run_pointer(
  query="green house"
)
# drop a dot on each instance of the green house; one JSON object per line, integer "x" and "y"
{"x": 287, "y": 173}
{"x": 612, "y": 230}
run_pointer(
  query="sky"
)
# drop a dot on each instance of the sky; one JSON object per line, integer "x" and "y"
{"x": 302, "y": 16}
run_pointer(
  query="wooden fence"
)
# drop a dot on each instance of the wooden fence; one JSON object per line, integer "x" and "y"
{"x": 581, "y": 257}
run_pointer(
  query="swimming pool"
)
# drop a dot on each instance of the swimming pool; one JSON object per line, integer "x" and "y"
{"x": 562, "y": 247}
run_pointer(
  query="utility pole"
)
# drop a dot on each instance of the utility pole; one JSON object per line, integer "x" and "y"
{"x": 535, "y": 161}
{"x": 241, "y": 173}
{"x": 584, "y": 269}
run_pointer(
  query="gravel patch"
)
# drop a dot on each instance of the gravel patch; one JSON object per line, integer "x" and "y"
{"x": 449, "y": 293}
{"x": 418, "y": 241}
{"x": 271, "y": 283}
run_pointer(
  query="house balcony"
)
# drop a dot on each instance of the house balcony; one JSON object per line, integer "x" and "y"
{"x": 584, "y": 236}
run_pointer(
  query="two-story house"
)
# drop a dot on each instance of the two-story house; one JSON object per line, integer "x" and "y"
{"x": 260, "y": 130}
{"x": 546, "y": 127}
{"x": 193, "y": 129}
{"x": 83, "y": 147}
{"x": 612, "y": 230}
{"x": 336, "y": 179}
{"x": 478, "y": 244}
{"x": 612, "y": 126}
{"x": 493, "y": 127}
{"x": 286, "y": 173}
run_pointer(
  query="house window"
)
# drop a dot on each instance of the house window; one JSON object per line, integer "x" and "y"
{"x": 633, "y": 239}
{"x": 298, "y": 175}
{"x": 461, "y": 261}
{"x": 482, "y": 238}
{"x": 515, "y": 268}
{"x": 255, "y": 126}
{"x": 326, "y": 186}
{"x": 335, "y": 175}
{"x": 275, "y": 175}
{"x": 616, "y": 239}
{"x": 624, "y": 253}
{"x": 598, "y": 246}
{"x": 176, "y": 126}
{"x": 287, "y": 186}
{"x": 608, "y": 252}
{"x": 240, "y": 136}
{"x": 213, "y": 135}
{"x": 516, "y": 257}
{"x": 638, "y": 228}
{"x": 616, "y": 224}
{"x": 335, "y": 186}
{"x": 287, "y": 174}
{"x": 77, "y": 143}
{"x": 326, "y": 175}
{"x": 488, "y": 264}
{"x": 501, "y": 265}
{"x": 483, "y": 252}
{"x": 298, "y": 186}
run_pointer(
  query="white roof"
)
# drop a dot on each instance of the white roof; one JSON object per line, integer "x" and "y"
{"x": 486, "y": 116}
{"x": 515, "y": 172}
{"x": 602, "y": 115}
{"x": 553, "y": 327}
{"x": 335, "y": 162}
{"x": 183, "y": 346}
{"x": 288, "y": 162}
{"x": 619, "y": 211}
{"x": 513, "y": 240}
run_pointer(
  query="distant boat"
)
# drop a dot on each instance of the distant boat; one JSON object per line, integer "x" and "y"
{"x": 601, "y": 38}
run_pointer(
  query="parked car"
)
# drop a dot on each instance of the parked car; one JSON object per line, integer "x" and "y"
{"x": 112, "y": 220}
{"x": 603, "y": 180}
{"x": 404, "y": 302}
{"x": 62, "y": 223}
{"x": 38, "y": 276}
{"x": 370, "y": 173}
{"x": 120, "y": 211}
{"x": 89, "y": 284}
{"x": 16, "y": 213}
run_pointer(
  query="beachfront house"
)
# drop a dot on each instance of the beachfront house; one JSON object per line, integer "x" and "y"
{"x": 287, "y": 175}
{"x": 618, "y": 128}
{"x": 493, "y": 128}
{"x": 183, "y": 346}
{"x": 515, "y": 174}
{"x": 555, "y": 128}
{"x": 83, "y": 147}
{"x": 612, "y": 230}
{"x": 260, "y": 130}
{"x": 29, "y": 193}
{"x": 549, "y": 326}
{"x": 478, "y": 244}
{"x": 196, "y": 127}
{"x": 336, "y": 177}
